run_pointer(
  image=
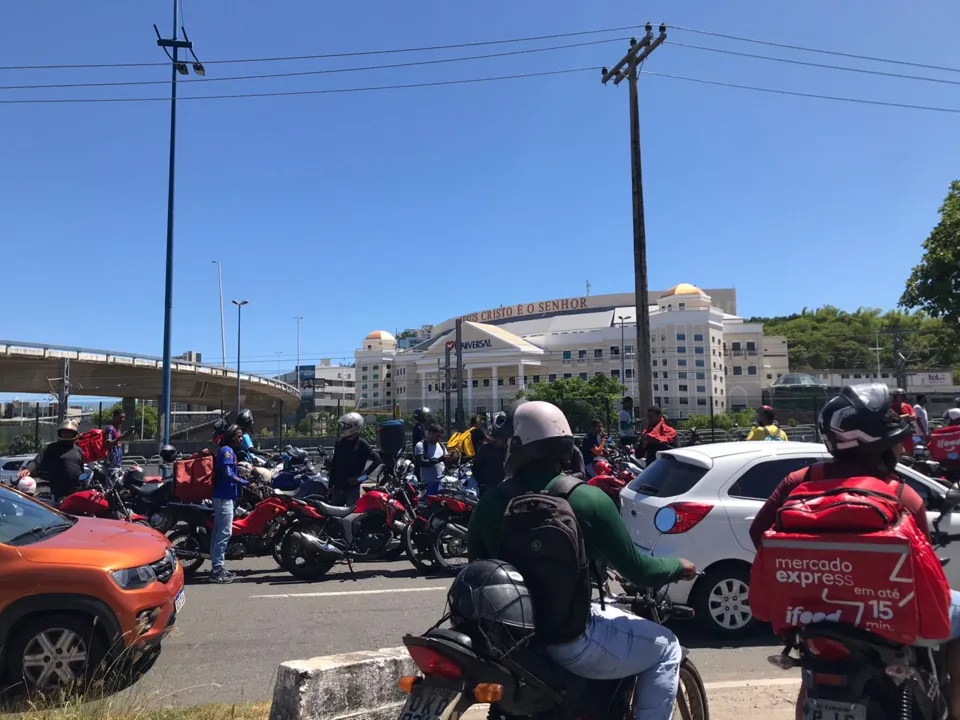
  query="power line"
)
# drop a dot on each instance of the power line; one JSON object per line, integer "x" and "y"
{"x": 793, "y": 93}
{"x": 818, "y": 50}
{"x": 290, "y": 93}
{"x": 810, "y": 64}
{"x": 328, "y": 56}
{"x": 303, "y": 73}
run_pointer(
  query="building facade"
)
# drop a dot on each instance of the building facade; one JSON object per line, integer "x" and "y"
{"x": 703, "y": 356}
{"x": 324, "y": 387}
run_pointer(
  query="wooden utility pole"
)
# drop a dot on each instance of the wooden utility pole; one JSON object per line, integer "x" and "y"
{"x": 627, "y": 69}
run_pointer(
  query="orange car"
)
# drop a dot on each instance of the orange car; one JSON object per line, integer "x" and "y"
{"x": 78, "y": 594}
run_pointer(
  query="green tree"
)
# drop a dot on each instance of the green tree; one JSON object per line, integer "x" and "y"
{"x": 581, "y": 400}
{"x": 21, "y": 445}
{"x": 934, "y": 284}
{"x": 145, "y": 415}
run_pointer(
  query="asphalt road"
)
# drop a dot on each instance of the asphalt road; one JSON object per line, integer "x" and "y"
{"x": 229, "y": 639}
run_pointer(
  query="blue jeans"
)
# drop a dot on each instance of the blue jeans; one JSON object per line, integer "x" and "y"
{"x": 222, "y": 528}
{"x": 617, "y": 644}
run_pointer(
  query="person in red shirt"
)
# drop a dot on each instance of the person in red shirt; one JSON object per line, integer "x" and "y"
{"x": 866, "y": 435}
{"x": 906, "y": 412}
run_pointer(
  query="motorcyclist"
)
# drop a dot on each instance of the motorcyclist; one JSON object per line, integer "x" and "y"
{"x": 421, "y": 418}
{"x": 906, "y": 412}
{"x": 615, "y": 644}
{"x": 657, "y": 435}
{"x": 60, "y": 463}
{"x": 249, "y": 449}
{"x": 488, "y": 463}
{"x": 352, "y": 455}
{"x": 766, "y": 427}
{"x": 865, "y": 436}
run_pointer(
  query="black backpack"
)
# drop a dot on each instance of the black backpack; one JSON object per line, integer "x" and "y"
{"x": 541, "y": 538}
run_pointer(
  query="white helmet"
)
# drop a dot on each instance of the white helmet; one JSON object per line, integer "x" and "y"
{"x": 350, "y": 425}
{"x": 540, "y": 432}
{"x": 27, "y": 485}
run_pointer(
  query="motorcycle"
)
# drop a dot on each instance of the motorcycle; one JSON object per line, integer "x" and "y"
{"x": 459, "y": 669}
{"x": 363, "y": 531}
{"x": 298, "y": 477}
{"x": 856, "y": 674}
{"x": 260, "y": 532}
{"x": 149, "y": 499}
{"x": 449, "y": 516}
{"x": 101, "y": 498}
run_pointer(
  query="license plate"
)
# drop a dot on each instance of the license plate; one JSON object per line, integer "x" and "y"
{"x": 830, "y": 710}
{"x": 430, "y": 703}
{"x": 179, "y": 600}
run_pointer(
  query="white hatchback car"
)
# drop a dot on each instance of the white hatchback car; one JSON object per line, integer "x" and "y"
{"x": 10, "y": 466}
{"x": 717, "y": 491}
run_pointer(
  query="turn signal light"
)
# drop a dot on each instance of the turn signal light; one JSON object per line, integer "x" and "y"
{"x": 688, "y": 515}
{"x": 488, "y": 693}
{"x": 406, "y": 683}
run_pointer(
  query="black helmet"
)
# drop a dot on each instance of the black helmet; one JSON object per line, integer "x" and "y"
{"x": 503, "y": 421}
{"x": 228, "y": 434}
{"x": 490, "y": 596}
{"x": 168, "y": 453}
{"x": 859, "y": 422}
{"x": 421, "y": 414}
{"x": 245, "y": 419}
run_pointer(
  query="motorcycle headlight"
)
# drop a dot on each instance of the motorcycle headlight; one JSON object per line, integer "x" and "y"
{"x": 134, "y": 578}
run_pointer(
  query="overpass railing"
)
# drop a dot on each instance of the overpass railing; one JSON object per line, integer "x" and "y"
{"x": 13, "y": 348}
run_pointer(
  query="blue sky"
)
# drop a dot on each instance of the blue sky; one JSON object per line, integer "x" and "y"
{"x": 391, "y": 209}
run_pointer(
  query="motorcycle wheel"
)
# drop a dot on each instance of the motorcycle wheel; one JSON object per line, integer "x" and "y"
{"x": 277, "y": 548}
{"x": 186, "y": 540}
{"x": 421, "y": 559}
{"x": 142, "y": 523}
{"x": 691, "y": 694}
{"x": 297, "y": 560}
{"x": 449, "y": 552}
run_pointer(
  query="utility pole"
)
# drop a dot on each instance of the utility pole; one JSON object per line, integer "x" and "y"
{"x": 446, "y": 390}
{"x": 298, "y": 319}
{"x": 626, "y": 68}
{"x": 63, "y": 395}
{"x": 223, "y": 332}
{"x": 459, "y": 348}
{"x": 177, "y": 67}
{"x": 900, "y": 360}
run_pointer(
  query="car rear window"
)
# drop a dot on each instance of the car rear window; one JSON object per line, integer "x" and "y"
{"x": 668, "y": 477}
{"x": 759, "y": 482}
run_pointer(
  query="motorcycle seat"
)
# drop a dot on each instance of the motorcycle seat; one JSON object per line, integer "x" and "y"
{"x": 147, "y": 490}
{"x": 330, "y": 510}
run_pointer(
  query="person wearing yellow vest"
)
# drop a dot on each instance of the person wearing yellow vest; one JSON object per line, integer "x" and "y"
{"x": 766, "y": 426}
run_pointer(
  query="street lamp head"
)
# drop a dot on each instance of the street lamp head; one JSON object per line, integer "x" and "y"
{"x": 182, "y": 68}
{"x": 199, "y": 69}
{"x": 239, "y": 303}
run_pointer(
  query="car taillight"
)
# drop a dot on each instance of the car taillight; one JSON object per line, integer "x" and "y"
{"x": 431, "y": 662}
{"x": 827, "y": 649}
{"x": 688, "y": 515}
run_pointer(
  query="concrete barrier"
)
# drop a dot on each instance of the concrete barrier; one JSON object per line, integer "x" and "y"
{"x": 353, "y": 686}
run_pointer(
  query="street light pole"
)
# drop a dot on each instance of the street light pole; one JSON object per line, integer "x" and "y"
{"x": 279, "y": 353}
{"x": 177, "y": 67}
{"x": 239, "y": 304}
{"x": 223, "y": 333}
{"x": 623, "y": 380}
{"x": 298, "y": 319}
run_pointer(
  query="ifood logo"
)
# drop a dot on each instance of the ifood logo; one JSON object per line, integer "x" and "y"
{"x": 799, "y": 616}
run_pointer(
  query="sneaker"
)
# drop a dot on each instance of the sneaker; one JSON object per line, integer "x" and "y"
{"x": 223, "y": 577}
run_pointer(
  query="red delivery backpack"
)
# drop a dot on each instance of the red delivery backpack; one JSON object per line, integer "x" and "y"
{"x": 846, "y": 550}
{"x": 91, "y": 445}
{"x": 944, "y": 446}
{"x": 193, "y": 478}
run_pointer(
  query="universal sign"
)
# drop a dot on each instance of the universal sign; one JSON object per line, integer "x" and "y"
{"x": 511, "y": 311}
{"x": 476, "y": 344}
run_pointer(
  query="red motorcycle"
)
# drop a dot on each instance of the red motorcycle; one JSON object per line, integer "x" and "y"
{"x": 259, "y": 532}
{"x": 102, "y": 499}
{"x": 365, "y": 531}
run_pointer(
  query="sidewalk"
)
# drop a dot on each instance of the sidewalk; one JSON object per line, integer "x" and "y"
{"x": 755, "y": 702}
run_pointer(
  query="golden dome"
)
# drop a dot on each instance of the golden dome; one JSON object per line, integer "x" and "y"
{"x": 683, "y": 289}
{"x": 379, "y": 335}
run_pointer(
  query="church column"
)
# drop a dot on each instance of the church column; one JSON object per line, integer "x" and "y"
{"x": 494, "y": 374}
{"x": 469, "y": 409}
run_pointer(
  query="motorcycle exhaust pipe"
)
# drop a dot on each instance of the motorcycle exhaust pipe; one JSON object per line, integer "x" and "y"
{"x": 399, "y": 527}
{"x": 324, "y": 548}
{"x": 458, "y": 531}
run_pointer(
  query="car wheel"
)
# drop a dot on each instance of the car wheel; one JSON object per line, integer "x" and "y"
{"x": 56, "y": 653}
{"x": 722, "y": 601}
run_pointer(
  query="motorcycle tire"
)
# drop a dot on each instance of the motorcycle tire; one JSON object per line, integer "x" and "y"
{"x": 421, "y": 559}
{"x": 691, "y": 694}
{"x": 439, "y": 550}
{"x": 187, "y": 541}
{"x": 306, "y": 566}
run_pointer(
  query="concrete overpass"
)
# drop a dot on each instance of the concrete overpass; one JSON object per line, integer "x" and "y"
{"x": 64, "y": 371}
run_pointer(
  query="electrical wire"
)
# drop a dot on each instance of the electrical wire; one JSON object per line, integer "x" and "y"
{"x": 290, "y": 93}
{"x": 793, "y": 93}
{"x": 810, "y": 64}
{"x": 817, "y": 50}
{"x": 303, "y": 73}
{"x": 328, "y": 56}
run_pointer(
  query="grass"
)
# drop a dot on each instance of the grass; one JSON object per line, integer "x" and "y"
{"x": 103, "y": 711}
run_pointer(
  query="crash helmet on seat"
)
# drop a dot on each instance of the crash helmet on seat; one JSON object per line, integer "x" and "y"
{"x": 168, "y": 453}
{"x": 859, "y": 423}
{"x": 602, "y": 467}
{"x": 350, "y": 425}
{"x": 27, "y": 485}
{"x": 489, "y": 597}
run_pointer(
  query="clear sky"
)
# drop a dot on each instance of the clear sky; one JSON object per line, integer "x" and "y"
{"x": 389, "y": 209}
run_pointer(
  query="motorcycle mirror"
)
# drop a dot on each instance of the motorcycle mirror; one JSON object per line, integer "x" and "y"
{"x": 952, "y": 500}
{"x": 666, "y": 518}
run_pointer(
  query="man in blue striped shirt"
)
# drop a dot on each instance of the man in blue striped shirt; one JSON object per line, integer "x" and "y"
{"x": 113, "y": 438}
